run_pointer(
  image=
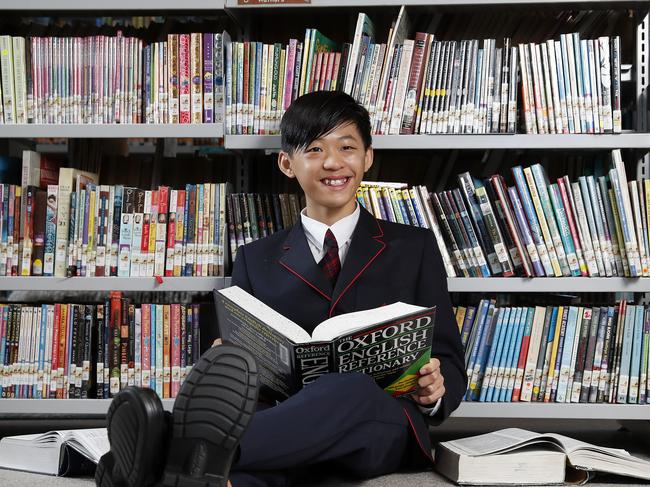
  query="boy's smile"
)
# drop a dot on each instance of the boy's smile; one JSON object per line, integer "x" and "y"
{"x": 329, "y": 170}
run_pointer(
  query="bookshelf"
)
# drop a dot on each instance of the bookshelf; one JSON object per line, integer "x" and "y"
{"x": 639, "y": 141}
{"x": 467, "y": 410}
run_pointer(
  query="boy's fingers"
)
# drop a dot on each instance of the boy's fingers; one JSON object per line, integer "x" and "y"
{"x": 217, "y": 342}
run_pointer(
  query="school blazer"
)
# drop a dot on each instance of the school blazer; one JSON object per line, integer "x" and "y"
{"x": 386, "y": 262}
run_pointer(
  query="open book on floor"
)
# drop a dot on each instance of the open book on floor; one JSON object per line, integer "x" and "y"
{"x": 65, "y": 452}
{"x": 520, "y": 457}
{"x": 390, "y": 343}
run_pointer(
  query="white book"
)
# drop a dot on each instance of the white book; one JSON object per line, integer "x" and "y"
{"x": 364, "y": 27}
{"x": 605, "y": 82}
{"x": 20, "y": 78}
{"x": 619, "y": 183}
{"x": 7, "y": 76}
{"x": 548, "y": 53}
{"x": 45, "y": 452}
{"x": 533, "y": 352}
{"x": 638, "y": 223}
{"x": 400, "y": 88}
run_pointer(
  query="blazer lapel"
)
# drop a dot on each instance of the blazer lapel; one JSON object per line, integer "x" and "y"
{"x": 367, "y": 243}
{"x": 299, "y": 261}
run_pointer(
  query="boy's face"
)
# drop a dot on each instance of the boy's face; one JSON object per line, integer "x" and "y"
{"x": 329, "y": 170}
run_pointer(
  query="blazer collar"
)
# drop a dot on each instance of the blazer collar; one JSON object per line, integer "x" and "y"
{"x": 298, "y": 259}
{"x": 367, "y": 243}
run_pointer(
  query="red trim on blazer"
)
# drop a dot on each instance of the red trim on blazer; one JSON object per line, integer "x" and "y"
{"x": 329, "y": 298}
{"x": 378, "y": 237}
{"x": 415, "y": 433}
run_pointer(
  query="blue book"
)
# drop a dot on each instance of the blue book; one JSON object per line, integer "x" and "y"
{"x": 531, "y": 219}
{"x": 567, "y": 351}
{"x": 548, "y": 350}
{"x": 479, "y": 356}
{"x": 565, "y": 230}
{"x": 500, "y": 315}
{"x": 626, "y": 355}
{"x": 475, "y": 335}
{"x": 152, "y": 347}
{"x": 501, "y": 378}
{"x": 511, "y": 370}
{"x": 489, "y": 382}
{"x": 524, "y": 229}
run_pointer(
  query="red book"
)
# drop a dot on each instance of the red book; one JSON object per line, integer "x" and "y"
{"x": 166, "y": 352}
{"x": 146, "y": 345}
{"x": 54, "y": 368}
{"x": 572, "y": 223}
{"x": 115, "y": 320}
{"x": 521, "y": 363}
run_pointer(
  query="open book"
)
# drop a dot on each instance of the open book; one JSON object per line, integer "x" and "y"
{"x": 390, "y": 343}
{"x": 520, "y": 457}
{"x": 66, "y": 452}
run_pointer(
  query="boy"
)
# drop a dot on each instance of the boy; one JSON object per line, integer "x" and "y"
{"x": 337, "y": 259}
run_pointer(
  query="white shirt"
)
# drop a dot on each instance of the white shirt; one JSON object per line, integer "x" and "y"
{"x": 342, "y": 230}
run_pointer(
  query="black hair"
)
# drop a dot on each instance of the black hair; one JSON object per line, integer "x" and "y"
{"x": 316, "y": 114}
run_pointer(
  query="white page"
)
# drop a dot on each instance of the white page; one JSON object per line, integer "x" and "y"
{"x": 92, "y": 443}
{"x": 268, "y": 315}
{"x": 349, "y": 322}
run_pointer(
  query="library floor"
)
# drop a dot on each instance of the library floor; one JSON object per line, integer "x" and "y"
{"x": 635, "y": 437}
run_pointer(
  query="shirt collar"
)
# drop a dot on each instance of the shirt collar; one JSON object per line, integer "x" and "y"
{"x": 342, "y": 229}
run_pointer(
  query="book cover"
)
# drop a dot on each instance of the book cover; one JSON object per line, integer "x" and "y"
{"x": 390, "y": 343}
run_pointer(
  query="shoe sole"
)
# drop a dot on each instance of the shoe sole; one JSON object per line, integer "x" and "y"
{"x": 136, "y": 435}
{"x": 211, "y": 413}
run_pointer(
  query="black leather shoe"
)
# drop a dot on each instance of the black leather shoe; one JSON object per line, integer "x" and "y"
{"x": 137, "y": 432}
{"x": 211, "y": 413}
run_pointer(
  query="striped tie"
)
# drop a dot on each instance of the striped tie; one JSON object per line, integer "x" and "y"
{"x": 330, "y": 263}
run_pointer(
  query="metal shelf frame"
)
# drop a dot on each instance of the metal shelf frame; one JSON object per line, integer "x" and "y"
{"x": 127, "y": 5}
{"x": 182, "y": 284}
{"x": 430, "y": 142}
{"x": 111, "y": 131}
{"x": 235, "y": 4}
{"x": 99, "y": 407}
{"x": 548, "y": 284}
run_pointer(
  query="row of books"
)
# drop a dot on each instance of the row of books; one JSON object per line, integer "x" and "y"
{"x": 80, "y": 228}
{"x": 252, "y": 216}
{"x": 111, "y": 79}
{"x": 572, "y": 85}
{"x": 66, "y": 351}
{"x": 397, "y": 203}
{"x": 596, "y": 226}
{"x": 565, "y": 354}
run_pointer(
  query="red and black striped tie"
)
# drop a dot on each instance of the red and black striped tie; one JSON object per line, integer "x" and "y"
{"x": 330, "y": 263}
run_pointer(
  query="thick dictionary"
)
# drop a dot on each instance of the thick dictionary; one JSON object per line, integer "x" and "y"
{"x": 390, "y": 343}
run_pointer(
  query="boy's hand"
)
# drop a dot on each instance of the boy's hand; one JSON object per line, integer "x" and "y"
{"x": 431, "y": 384}
{"x": 217, "y": 342}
